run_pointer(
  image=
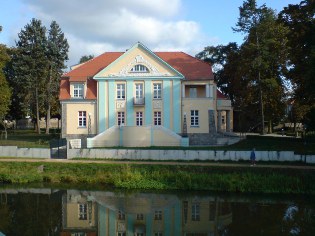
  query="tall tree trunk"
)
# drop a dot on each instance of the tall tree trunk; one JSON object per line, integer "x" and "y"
{"x": 48, "y": 101}
{"x": 37, "y": 112}
{"x": 260, "y": 89}
{"x": 48, "y": 119}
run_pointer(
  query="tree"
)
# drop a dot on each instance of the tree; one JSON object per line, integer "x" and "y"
{"x": 265, "y": 47}
{"x": 86, "y": 58}
{"x": 30, "y": 67}
{"x": 37, "y": 64}
{"x": 251, "y": 75}
{"x": 5, "y": 95}
{"x": 299, "y": 18}
{"x": 57, "y": 54}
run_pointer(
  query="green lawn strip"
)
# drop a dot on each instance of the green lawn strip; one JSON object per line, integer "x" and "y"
{"x": 30, "y": 139}
{"x": 163, "y": 177}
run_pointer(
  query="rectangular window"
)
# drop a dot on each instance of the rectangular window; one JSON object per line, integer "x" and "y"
{"x": 195, "y": 212}
{"x": 140, "y": 216}
{"x": 211, "y": 211}
{"x": 194, "y": 118}
{"x": 121, "y": 215}
{"x": 157, "y": 118}
{"x": 139, "y": 118}
{"x": 139, "y": 90}
{"x": 78, "y": 90}
{"x": 121, "y": 91}
{"x": 82, "y": 119}
{"x": 158, "y": 234}
{"x": 121, "y": 233}
{"x": 192, "y": 92}
{"x": 158, "y": 215}
{"x": 121, "y": 118}
{"x": 82, "y": 211}
{"x": 223, "y": 120}
{"x": 157, "y": 90}
{"x": 78, "y": 234}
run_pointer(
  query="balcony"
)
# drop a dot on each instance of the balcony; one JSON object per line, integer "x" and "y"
{"x": 138, "y": 101}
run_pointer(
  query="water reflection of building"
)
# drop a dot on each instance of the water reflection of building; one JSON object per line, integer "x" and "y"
{"x": 204, "y": 217}
{"x": 79, "y": 215}
{"x": 106, "y": 213}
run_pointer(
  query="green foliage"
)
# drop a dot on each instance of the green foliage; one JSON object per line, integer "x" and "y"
{"x": 86, "y": 58}
{"x": 252, "y": 74}
{"x": 129, "y": 176}
{"x": 36, "y": 66}
{"x": 5, "y": 94}
{"x": 299, "y": 18}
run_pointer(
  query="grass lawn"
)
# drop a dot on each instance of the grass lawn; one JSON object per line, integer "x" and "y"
{"x": 28, "y": 139}
{"x": 297, "y": 145}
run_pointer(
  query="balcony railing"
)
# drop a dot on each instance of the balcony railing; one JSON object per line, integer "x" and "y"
{"x": 138, "y": 101}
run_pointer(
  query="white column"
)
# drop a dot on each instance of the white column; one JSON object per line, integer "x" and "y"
{"x": 183, "y": 90}
{"x": 219, "y": 121}
{"x": 228, "y": 121}
{"x": 211, "y": 91}
{"x": 207, "y": 90}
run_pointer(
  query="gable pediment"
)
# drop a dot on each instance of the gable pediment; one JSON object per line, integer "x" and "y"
{"x": 138, "y": 62}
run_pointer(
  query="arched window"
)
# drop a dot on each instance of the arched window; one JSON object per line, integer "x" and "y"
{"x": 140, "y": 68}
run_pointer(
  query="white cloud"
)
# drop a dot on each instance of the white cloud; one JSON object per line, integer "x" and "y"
{"x": 93, "y": 27}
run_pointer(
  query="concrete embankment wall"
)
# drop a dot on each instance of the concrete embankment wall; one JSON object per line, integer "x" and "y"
{"x": 14, "y": 151}
{"x": 136, "y": 154}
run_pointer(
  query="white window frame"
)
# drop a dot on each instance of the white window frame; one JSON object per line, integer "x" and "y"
{"x": 121, "y": 91}
{"x": 140, "y": 216}
{"x": 139, "y": 118}
{"x": 158, "y": 215}
{"x": 82, "y": 119}
{"x": 139, "y": 68}
{"x": 82, "y": 211}
{"x": 194, "y": 118}
{"x": 121, "y": 118}
{"x": 157, "y": 118}
{"x": 139, "y": 90}
{"x": 78, "y": 90}
{"x": 195, "y": 212}
{"x": 121, "y": 215}
{"x": 157, "y": 90}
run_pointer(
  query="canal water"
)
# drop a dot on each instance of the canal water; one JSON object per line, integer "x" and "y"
{"x": 89, "y": 213}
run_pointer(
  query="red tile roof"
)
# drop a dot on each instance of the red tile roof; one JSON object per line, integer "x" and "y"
{"x": 192, "y": 69}
{"x": 92, "y": 67}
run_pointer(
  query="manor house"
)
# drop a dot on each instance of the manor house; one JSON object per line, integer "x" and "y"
{"x": 142, "y": 98}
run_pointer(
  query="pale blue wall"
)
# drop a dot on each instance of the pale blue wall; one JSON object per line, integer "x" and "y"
{"x": 148, "y": 102}
{"x": 166, "y": 103}
{"x": 101, "y": 106}
{"x": 111, "y": 103}
{"x": 176, "y": 106}
{"x": 102, "y": 217}
{"x": 169, "y": 93}
{"x": 129, "y": 103}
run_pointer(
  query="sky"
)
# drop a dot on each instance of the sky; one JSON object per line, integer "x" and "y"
{"x": 97, "y": 26}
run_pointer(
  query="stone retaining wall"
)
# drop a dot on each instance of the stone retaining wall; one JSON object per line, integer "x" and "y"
{"x": 14, "y": 151}
{"x": 134, "y": 154}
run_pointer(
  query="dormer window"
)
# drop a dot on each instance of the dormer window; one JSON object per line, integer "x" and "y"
{"x": 140, "y": 69}
{"x": 78, "y": 90}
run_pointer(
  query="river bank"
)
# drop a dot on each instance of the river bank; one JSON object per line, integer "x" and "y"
{"x": 163, "y": 176}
